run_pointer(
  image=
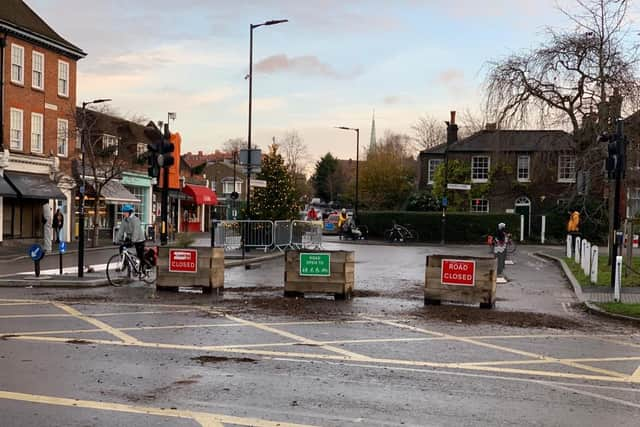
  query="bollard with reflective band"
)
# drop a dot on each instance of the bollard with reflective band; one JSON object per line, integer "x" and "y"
{"x": 618, "y": 279}
{"x": 587, "y": 259}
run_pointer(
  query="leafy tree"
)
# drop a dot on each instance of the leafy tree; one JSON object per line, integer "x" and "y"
{"x": 387, "y": 177}
{"x": 278, "y": 200}
{"x": 326, "y": 181}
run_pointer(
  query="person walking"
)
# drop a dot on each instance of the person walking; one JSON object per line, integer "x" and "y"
{"x": 58, "y": 222}
{"x": 130, "y": 231}
{"x": 47, "y": 227}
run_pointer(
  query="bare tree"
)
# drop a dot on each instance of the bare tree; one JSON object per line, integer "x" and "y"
{"x": 571, "y": 75}
{"x": 232, "y": 145}
{"x": 295, "y": 152}
{"x": 429, "y": 132}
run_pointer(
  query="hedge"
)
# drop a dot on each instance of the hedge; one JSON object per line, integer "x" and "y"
{"x": 460, "y": 227}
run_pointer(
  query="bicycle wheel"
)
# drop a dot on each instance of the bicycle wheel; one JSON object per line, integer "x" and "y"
{"x": 511, "y": 247}
{"x": 388, "y": 236}
{"x": 118, "y": 272}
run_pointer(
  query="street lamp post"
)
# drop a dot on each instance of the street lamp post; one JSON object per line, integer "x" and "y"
{"x": 251, "y": 28}
{"x": 83, "y": 187}
{"x": 357, "y": 130}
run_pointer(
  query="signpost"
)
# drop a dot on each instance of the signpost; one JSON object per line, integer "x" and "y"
{"x": 315, "y": 264}
{"x": 36, "y": 253}
{"x": 183, "y": 260}
{"x": 62, "y": 248}
{"x": 458, "y": 272}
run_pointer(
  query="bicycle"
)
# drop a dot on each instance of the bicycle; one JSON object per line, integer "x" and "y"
{"x": 400, "y": 233}
{"x": 509, "y": 243}
{"x": 124, "y": 265}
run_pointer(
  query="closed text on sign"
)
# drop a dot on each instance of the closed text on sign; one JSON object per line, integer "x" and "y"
{"x": 183, "y": 260}
{"x": 458, "y": 272}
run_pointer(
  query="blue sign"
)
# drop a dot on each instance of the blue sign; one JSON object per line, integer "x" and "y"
{"x": 35, "y": 252}
{"x": 328, "y": 226}
{"x": 445, "y": 202}
{"x": 62, "y": 247}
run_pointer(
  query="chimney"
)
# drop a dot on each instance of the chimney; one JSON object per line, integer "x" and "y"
{"x": 452, "y": 129}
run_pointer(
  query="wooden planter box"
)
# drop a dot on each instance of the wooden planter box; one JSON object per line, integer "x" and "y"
{"x": 334, "y": 273}
{"x": 451, "y": 278}
{"x": 209, "y": 271}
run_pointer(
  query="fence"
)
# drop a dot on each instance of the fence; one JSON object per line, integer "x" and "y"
{"x": 267, "y": 235}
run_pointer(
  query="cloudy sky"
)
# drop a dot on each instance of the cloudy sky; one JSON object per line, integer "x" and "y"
{"x": 332, "y": 64}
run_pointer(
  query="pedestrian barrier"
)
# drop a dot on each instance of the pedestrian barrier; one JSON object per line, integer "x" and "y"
{"x": 306, "y": 234}
{"x": 282, "y": 234}
{"x": 268, "y": 235}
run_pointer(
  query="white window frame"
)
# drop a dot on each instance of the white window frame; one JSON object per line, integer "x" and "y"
{"x": 20, "y": 63}
{"x": 141, "y": 149}
{"x": 110, "y": 141}
{"x": 564, "y": 177}
{"x": 37, "y": 133}
{"x": 34, "y": 71}
{"x": 633, "y": 206}
{"x": 484, "y": 205}
{"x": 63, "y": 138}
{"x": 475, "y": 169}
{"x": 520, "y": 167}
{"x": 63, "y": 68}
{"x": 16, "y": 140}
{"x": 431, "y": 170}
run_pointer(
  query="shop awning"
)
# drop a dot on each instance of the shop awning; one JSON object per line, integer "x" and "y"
{"x": 5, "y": 189}
{"x": 31, "y": 186}
{"x": 114, "y": 191}
{"x": 201, "y": 195}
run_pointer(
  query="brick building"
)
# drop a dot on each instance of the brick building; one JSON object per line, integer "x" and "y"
{"x": 38, "y": 98}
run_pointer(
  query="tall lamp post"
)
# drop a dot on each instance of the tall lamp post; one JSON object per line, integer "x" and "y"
{"x": 357, "y": 130}
{"x": 251, "y": 28}
{"x": 83, "y": 187}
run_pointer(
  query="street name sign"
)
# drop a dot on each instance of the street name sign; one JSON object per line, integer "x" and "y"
{"x": 261, "y": 183}
{"x": 458, "y": 272}
{"x": 315, "y": 264}
{"x": 183, "y": 260}
{"x": 459, "y": 187}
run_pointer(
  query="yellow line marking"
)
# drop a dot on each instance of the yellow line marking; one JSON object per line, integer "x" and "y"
{"x": 505, "y": 349}
{"x": 32, "y": 316}
{"x": 22, "y": 303}
{"x": 95, "y": 322}
{"x": 629, "y": 344}
{"x": 303, "y": 340}
{"x": 204, "y": 418}
{"x": 18, "y": 316}
{"x": 67, "y": 331}
{"x": 635, "y": 377}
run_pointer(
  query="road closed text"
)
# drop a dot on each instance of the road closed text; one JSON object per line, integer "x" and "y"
{"x": 458, "y": 272}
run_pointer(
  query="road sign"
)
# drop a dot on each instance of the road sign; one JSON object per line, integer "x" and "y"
{"x": 234, "y": 195}
{"x": 445, "y": 202}
{"x": 458, "y": 272}
{"x": 62, "y": 247}
{"x": 35, "y": 252}
{"x": 313, "y": 264}
{"x": 183, "y": 260}
{"x": 465, "y": 187}
{"x": 261, "y": 183}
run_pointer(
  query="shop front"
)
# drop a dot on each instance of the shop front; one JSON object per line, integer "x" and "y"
{"x": 194, "y": 216}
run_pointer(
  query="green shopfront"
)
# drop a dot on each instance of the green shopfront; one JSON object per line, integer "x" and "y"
{"x": 140, "y": 186}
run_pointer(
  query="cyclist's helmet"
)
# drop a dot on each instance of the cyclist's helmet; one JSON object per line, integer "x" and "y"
{"x": 344, "y": 210}
{"x": 501, "y": 226}
{"x": 127, "y": 208}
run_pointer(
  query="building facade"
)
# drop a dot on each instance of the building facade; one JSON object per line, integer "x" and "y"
{"x": 38, "y": 98}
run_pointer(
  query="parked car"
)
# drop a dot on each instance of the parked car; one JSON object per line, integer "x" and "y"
{"x": 331, "y": 224}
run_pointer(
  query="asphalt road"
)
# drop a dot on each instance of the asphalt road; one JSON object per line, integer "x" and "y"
{"x": 132, "y": 356}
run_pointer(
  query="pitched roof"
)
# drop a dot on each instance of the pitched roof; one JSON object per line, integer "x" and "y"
{"x": 18, "y": 18}
{"x": 510, "y": 140}
{"x": 100, "y": 123}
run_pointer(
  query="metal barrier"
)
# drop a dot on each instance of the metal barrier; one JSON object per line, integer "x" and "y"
{"x": 268, "y": 235}
{"x": 306, "y": 234}
{"x": 282, "y": 234}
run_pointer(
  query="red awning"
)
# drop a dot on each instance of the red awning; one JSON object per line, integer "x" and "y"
{"x": 201, "y": 195}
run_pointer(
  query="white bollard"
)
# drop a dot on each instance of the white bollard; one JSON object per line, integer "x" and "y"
{"x": 583, "y": 246}
{"x": 618, "y": 279}
{"x": 587, "y": 259}
{"x": 521, "y": 228}
{"x": 569, "y": 246}
{"x": 543, "y": 229}
{"x": 594, "y": 264}
{"x": 577, "y": 250}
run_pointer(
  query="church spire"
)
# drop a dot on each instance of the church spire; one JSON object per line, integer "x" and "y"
{"x": 372, "y": 141}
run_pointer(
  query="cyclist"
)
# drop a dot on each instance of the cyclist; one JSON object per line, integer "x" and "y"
{"x": 342, "y": 219}
{"x": 130, "y": 232}
{"x": 501, "y": 234}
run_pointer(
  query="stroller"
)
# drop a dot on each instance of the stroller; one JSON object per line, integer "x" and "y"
{"x": 351, "y": 231}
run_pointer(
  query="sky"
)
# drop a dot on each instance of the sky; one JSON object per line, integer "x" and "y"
{"x": 332, "y": 64}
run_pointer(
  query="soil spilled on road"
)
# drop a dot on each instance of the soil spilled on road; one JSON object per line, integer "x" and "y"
{"x": 218, "y": 359}
{"x": 473, "y": 315}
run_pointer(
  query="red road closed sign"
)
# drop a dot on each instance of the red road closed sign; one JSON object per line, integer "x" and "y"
{"x": 183, "y": 260}
{"x": 458, "y": 272}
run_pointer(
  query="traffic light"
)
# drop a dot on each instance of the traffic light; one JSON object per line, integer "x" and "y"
{"x": 152, "y": 159}
{"x": 167, "y": 147}
{"x": 616, "y": 145}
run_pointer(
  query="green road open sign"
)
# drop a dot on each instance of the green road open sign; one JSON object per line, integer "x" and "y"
{"x": 315, "y": 264}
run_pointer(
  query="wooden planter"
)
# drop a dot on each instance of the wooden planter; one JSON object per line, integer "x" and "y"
{"x": 452, "y": 280}
{"x": 338, "y": 280}
{"x": 209, "y": 274}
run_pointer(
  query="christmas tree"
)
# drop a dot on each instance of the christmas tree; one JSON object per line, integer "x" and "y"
{"x": 278, "y": 199}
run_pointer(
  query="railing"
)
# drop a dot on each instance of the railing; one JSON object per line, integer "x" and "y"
{"x": 268, "y": 235}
